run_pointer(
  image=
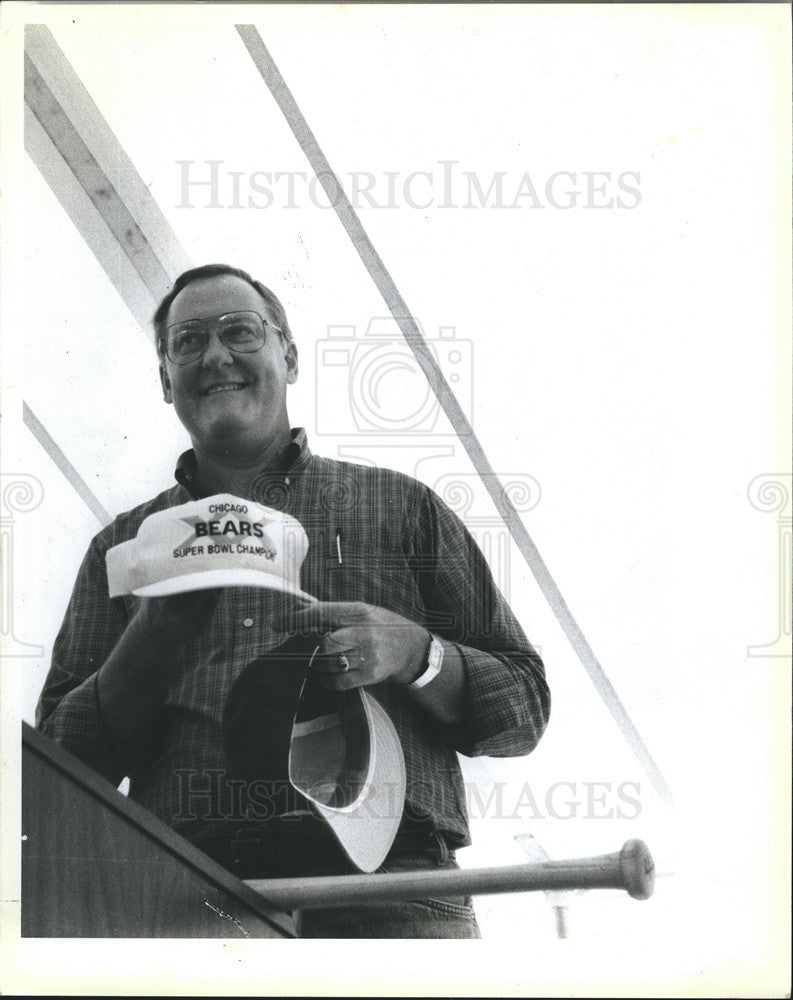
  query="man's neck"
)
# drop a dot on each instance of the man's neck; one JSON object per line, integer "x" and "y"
{"x": 235, "y": 472}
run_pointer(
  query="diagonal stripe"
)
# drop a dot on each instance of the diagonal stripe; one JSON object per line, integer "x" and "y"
{"x": 399, "y": 310}
{"x": 75, "y": 109}
{"x": 97, "y": 185}
{"x": 88, "y": 222}
{"x": 71, "y": 474}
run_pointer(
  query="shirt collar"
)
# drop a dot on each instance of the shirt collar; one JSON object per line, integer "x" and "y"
{"x": 294, "y": 459}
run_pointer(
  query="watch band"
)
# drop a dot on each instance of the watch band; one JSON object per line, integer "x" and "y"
{"x": 434, "y": 662}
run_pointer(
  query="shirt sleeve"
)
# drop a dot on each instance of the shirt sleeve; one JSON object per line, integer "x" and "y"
{"x": 508, "y": 699}
{"x": 68, "y": 708}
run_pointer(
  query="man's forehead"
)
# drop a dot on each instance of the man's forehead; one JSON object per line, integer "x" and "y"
{"x": 213, "y": 296}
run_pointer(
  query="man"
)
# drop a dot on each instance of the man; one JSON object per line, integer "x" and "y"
{"x": 137, "y": 685}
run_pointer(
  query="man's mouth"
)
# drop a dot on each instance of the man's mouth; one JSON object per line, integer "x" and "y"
{"x": 211, "y": 390}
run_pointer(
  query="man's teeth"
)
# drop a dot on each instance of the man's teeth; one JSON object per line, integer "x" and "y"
{"x": 228, "y": 387}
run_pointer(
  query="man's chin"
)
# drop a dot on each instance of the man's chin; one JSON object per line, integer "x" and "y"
{"x": 225, "y": 430}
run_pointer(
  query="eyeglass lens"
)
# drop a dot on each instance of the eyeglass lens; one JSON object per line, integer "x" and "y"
{"x": 242, "y": 332}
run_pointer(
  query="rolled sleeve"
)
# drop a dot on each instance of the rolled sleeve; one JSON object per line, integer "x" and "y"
{"x": 508, "y": 704}
{"x": 507, "y": 697}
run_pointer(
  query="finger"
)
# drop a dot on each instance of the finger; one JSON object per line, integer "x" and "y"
{"x": 343, "y": 640}
{"x": 324, "y": 615}
{"x": 335, "y": 663}
{"x": 342, "y": 681}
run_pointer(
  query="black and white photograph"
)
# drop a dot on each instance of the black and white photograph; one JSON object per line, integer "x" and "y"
{"x": 396, "y": 502}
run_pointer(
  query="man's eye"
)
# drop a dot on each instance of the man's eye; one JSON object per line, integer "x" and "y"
{"x": 240, "y": 334}
{"x": 184, "y": 341}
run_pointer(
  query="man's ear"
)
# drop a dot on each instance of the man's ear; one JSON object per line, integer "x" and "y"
{"x": 290, "y": 356}
{"x": 166, "y": 384}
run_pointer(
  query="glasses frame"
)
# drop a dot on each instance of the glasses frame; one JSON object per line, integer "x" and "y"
{"x": 210, "y": 323}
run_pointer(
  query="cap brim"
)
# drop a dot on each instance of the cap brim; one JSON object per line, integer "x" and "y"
{"x": 338, "y": 750}
{"x": 365, "y": 829}
{"x": 211, "y": 578}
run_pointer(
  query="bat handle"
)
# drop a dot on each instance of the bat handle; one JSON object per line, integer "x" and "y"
{"x": 637, "y": 868}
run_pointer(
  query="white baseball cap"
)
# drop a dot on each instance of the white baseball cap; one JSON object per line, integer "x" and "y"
{"x": 338, "y": 750}
{"x": 219, "y": 541}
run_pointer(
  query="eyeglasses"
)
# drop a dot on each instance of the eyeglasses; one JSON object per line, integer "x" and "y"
{"x": 242, "y": 332}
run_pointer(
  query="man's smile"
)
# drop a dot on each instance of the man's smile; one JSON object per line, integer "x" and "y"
{"x": 217, "y": 387}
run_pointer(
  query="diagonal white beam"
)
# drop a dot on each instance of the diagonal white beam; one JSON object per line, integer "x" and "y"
{"x": 94, "y": 181}
{"x": 73, "y": 477}
{"x": 68, "y": 114}
{"x": 88, "y": 222}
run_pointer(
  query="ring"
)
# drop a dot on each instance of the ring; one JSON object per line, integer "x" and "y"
{"x": 344, "y": 663}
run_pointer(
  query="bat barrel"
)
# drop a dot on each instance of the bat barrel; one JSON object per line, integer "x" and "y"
{"x": 631, "y": 869}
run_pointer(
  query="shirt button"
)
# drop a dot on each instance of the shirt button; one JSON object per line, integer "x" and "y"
{"x": 248, "y": 622}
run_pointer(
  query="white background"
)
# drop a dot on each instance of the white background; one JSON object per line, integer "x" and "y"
{"x": 633, "y": 361}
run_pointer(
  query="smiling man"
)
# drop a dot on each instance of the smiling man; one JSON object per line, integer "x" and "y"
{"x": 407, "y": 609}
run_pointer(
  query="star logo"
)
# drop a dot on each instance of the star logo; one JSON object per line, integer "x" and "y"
{"x": 192, "y": 535}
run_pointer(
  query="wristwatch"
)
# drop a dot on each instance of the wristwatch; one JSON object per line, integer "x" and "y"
{"x": 434, "y": 661}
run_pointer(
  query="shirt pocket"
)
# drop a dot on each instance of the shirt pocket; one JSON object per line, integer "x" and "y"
{"x": 379, "y": 576}
{"x": 382, "y": 578}
{"x": 454, "y": 906}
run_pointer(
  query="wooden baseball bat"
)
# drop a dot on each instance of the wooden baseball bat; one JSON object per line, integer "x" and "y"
{"x": 631, "y": 869}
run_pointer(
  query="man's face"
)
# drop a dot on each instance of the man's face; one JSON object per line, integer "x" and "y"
{"x": 229, "y": 401}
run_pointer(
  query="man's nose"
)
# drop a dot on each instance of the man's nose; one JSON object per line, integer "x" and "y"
{"x": 216, "y": 352}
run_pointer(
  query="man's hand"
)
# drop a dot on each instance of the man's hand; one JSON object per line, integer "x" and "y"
{"x": 174, "y": 620}
{"x": 362, "y": 644}
{"x": 132, "y": 682}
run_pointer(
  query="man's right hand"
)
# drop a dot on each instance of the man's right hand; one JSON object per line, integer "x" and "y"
{"x": 178, "y": 618}
{"x": 132, "y": 682}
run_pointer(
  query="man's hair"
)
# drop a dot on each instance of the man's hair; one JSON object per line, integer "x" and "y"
{"x": 160, "y": 318}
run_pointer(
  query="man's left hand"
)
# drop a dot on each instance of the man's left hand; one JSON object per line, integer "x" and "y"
{"x": 361, "y": 644}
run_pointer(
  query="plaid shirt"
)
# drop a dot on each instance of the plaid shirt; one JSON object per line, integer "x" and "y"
{"x": 375, "y": 536}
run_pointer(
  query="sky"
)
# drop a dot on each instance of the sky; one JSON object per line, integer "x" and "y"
{"x": 585, "y": 208}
